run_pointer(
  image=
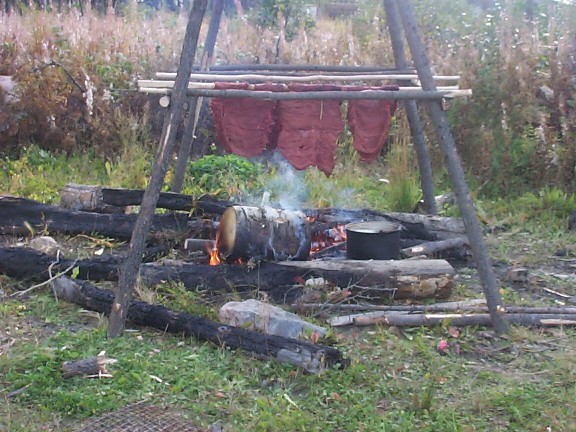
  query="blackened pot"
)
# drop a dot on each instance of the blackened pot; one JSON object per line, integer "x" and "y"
{"x": 378, "y": 240}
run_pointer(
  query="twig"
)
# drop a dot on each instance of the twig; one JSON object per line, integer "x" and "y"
{"x": 68, "y": 74}
{"x": 49, "y": 281}
{"x": 326, "y": 306}
{"x": 17, "y": 392}
{"x": 559, "y": 294}
{"x": 328, "y": 250}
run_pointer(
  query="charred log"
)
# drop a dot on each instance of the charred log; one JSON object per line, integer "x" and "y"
{"x": 18, "y": 215}
{"x": 99, "y": 199}
{"x": 414, "y": 226}
{"x": 31, "y": 265}
{"x": 89, "y": 367}
{"x": 396, "y": 279}
{"x": 455, "y": 247}
{"x": 310, "y": 357}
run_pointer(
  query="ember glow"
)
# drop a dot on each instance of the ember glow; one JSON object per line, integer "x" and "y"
{"x": 327, "y": 238}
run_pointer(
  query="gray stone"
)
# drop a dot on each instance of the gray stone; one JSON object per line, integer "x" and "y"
{"x": 45, "y": 244}
{"x": 254, "y": 314}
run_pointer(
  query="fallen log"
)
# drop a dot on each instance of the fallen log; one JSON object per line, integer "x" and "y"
{"x": 99, "y": 199}
{"x": 18, "y": 216}
{"x": 425, "y": 227}
{"x": 28, "y": 264}
{"x": 312, "y": 358}
{"x": 432, "y": 222}
{"x": 400, "y": 319}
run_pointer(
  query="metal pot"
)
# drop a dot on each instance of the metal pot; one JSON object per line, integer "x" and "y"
{"x": 378, "y": 240}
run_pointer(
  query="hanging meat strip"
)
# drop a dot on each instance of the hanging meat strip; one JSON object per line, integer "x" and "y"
{"x": 309, "y": 129}
{"x": 369, "y": 120}
{"x": 243, "y": 126}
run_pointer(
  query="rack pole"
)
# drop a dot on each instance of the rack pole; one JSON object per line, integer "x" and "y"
{"x": 456, "y": 172}
{"x": 424, "y": 164}
{"x": 130, "y": 268}
{"x": 195, "y": 102}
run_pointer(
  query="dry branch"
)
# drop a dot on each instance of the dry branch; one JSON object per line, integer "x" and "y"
{"x": 416, "y": 94}
{"x": 402, "y": 319}
{"x": 296, "y": 78}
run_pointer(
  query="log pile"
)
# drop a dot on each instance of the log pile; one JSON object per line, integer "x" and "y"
{"x": 422, "y": 235}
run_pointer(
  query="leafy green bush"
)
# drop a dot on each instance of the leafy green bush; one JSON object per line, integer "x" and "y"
{"x": 226, "y": 177}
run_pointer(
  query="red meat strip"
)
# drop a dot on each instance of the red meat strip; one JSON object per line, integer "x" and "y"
{"x": 369, "y": 120}
{"x": 243, "y": 126}
{"x": 309, "y": 129}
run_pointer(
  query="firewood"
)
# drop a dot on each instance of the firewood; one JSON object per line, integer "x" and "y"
{"x": 99, "y": 199}
{"x": 30, "y": 265}
{"x": 396, "y": 279}
{"x": 88, "y": 367}
{"x": 429, "y": 249}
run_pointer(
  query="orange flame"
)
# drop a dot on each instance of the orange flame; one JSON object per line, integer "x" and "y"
{"x": 214, "y": 258}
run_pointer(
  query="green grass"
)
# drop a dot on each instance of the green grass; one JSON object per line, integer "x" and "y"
{"x": 396, "y": 381}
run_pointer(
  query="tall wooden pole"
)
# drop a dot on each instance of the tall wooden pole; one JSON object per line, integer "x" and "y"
{"x": 195, "y": 103}
{"x": 130, "y": 268}
{"x": 455, "y": 170}
{"x": 424, "y": 165}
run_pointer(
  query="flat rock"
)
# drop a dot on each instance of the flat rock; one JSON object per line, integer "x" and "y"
{"x": 254, "y": 314}
{"x": 45, "y": 244}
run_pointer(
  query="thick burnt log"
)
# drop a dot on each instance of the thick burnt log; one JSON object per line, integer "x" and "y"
{"x": 400, "y": 279}
{"x": 379, "y": 279}
{"x": 31, "y": 265}
{"x": 396, "y": 279}
{"x": 312, "y": 358}
{"x": 99, "y": 199}
{"x": 18, "y": 214}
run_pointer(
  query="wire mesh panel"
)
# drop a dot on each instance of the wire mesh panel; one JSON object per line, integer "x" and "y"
{"x": 139, "y": 417}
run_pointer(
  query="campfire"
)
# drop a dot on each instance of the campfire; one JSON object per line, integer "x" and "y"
{"x": 329, "y": 241}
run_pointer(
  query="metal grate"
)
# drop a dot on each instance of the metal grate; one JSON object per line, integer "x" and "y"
{"x": 139, "y": 417}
